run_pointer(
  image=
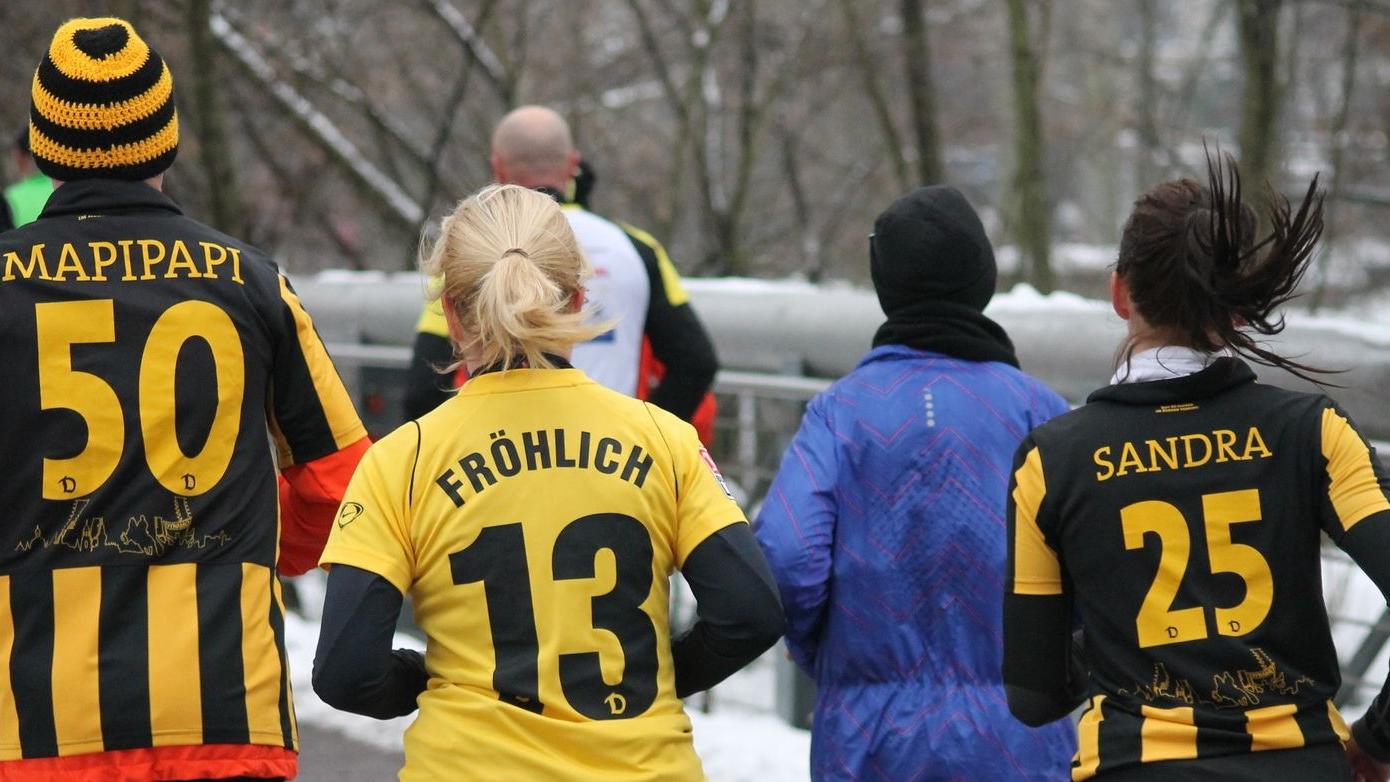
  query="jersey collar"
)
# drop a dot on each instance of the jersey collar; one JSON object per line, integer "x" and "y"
{"x": 107, "y": 197}
{"x": 556, "y": 362}
{"x": 523, "y": 379}
{"x": 1220, "y": 375}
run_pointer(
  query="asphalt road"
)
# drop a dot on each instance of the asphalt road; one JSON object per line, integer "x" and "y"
{"x": 329, "y": 756}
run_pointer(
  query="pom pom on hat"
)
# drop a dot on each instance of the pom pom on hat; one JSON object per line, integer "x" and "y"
{"x": 102, "y": 105}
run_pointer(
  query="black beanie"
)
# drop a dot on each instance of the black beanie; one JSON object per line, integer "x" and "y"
{"x": 930, "y": 245}
{"x": 102, "y": 105}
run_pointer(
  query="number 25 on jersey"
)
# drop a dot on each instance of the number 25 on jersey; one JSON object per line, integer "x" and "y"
{"x": 1158, "y": 623}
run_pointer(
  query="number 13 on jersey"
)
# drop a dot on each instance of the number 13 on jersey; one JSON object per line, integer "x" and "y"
{"x": 497, "y": 558}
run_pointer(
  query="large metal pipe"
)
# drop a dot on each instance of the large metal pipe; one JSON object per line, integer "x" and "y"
{"x": 823, "y": 331}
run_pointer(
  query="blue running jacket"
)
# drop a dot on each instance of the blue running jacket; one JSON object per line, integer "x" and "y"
{"x": 885, "y": 529}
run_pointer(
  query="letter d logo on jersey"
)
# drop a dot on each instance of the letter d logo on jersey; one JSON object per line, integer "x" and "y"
{"x": 714, "y": 468}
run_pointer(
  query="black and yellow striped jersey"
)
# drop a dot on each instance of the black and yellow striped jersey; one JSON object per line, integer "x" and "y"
{"x": 535, "y": 520}
{"x": 1183, "y": 519}
{"x": 152, "y": 364}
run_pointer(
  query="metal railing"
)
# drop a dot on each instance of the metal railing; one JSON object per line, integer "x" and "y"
{"x": 758, "y": 415}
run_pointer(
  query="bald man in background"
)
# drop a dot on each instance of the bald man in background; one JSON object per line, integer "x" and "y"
{"x": 634, "y": 284}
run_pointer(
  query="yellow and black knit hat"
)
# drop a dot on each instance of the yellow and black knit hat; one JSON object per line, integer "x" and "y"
{"x": 102, "y": 105}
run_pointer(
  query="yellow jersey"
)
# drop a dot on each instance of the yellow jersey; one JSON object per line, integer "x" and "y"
{"x": 535, "y": 519}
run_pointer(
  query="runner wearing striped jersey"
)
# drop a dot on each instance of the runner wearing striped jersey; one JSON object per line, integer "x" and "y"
{"x": 1178, "y": 517}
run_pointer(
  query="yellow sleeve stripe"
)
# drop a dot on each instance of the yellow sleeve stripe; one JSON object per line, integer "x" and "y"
{"x": 1088, "y": 741}
{"x": 1036, "y": 569}
{"x": 1167, "y": 734}
{"x": 432, "y": 320}
{"x": 1339, "y": 725}
{"x": 337, "y": 406}
{"x": 670, "y": 278}
{"x": 1355, "y": 489}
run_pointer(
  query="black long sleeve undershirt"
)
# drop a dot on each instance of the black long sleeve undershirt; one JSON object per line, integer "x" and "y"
{"x": 1044, "y": 673}
{"x": 425, "y": 387}
{"x": 355, "y": 670}
{"x": 1368, "y": 544}
{"x": 739, "y": 609}
{"x": 680, "y": 342}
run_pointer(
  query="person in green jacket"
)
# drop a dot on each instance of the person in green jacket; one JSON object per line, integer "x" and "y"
{"x": 25, "y": 198}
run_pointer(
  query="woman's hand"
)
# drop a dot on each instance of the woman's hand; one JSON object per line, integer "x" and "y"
{"x": 1364, "y": 767}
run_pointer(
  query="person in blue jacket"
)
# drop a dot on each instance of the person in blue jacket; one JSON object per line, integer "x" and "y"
{"x": 885, "y": 524}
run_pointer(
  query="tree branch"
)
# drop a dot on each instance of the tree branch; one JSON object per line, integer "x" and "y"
{"x": 494, "y": 72}
{"x": 383, "y": 192}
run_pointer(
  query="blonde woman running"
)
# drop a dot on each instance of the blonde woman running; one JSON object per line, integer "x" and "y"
{"x": 534, "y": 520}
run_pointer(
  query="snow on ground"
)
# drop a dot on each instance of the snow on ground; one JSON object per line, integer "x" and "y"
{"x": 739, "y": 741}
{"x": 1067, "y": 257}
{"x": 739, "y": 746}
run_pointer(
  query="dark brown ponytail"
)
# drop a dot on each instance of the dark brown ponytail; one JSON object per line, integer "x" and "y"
{"x": 1198, "y": 272}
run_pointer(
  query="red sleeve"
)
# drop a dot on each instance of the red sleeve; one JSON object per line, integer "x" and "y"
{"x": 309, "y": 498}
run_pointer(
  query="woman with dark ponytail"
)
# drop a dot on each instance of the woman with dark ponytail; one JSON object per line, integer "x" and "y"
{"x": 1176, "y": 518}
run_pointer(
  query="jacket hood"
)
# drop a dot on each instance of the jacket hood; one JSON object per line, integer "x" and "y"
{"x": 930, "y": 245}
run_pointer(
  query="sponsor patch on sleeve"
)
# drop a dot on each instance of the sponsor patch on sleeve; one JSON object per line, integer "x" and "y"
{"x": 714, "y": 469}
{"x": 349, "y": 513}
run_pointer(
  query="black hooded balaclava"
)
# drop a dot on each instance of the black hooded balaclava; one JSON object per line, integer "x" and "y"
{"x": 933, "y": 270}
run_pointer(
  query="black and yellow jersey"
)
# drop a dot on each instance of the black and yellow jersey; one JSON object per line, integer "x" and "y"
{"x": 1183, "y": 518}
{"x": 535, "y": 519}
{"x": 152, "y": 364}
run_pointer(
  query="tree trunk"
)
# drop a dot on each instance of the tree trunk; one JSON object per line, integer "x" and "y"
{"x": 1146, "y": 172}
{"x": 1258, "y": 22}
{"x": 214, "y": 148}
{"x": 1033, "y": 221}
{"x": 868, "y": 71}
{"x": 1351, "y": 53}
{"x": 921, "y": 93}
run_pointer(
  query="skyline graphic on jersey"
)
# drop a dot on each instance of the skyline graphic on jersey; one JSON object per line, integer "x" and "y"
{"x": 1229, "y": 689}
{"x": 142, "y": 535}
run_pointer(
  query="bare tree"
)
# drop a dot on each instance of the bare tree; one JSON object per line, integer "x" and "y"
{"x": 1033, "y": 230}
{"x": 753, "y": 137}
{"x": 921, "y": 92}
{"x": 1146, "y": 106}
{"x": 1258, "y": 23}
{"x": 868, "y": 67}
{"x": 215, "y": 154}
{"x": 1337, "y": 144}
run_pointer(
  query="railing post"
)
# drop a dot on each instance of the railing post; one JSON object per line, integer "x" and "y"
{"x": 747, "y": 442}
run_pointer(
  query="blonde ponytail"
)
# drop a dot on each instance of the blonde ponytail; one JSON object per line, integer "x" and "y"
{"x": 509, "y": 264}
